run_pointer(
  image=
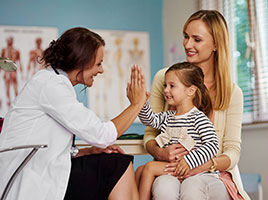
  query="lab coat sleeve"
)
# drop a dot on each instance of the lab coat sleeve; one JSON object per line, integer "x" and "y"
{"x": 58, "y": 100}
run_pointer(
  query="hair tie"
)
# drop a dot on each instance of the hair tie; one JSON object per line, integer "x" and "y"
{"x": 53, "y": 44}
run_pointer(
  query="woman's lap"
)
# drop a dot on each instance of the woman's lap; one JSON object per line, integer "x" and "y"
{"x": 166, "y": 187}
{"x": 94, "y": 176}
{"x": 201, "y": 186}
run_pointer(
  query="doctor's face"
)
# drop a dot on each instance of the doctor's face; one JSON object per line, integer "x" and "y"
{"x": 90, "y": 72}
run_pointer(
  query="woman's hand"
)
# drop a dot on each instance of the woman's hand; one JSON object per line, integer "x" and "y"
{"x": 114, "y": 149}
{"x": 172, "y": 152}
{"x": 195, "y": 171}
{"x": 97, "y": 150}
{"x": 136, "y": 89}
{"x": 192, "y": 172}
{"x": 171, "y": 169}
{"x": 137, "y": 95}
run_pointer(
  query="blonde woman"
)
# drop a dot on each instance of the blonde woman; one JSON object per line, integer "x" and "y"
{"x": 206, "y": 44}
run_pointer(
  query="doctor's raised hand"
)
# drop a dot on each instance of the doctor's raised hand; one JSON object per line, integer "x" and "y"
{"x": 137, "y": 95}
{"x": 136, "y": 89}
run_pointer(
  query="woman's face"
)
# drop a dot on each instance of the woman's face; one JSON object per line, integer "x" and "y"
{"x": 90, "y": 72}
{"x": 198, "y": 44}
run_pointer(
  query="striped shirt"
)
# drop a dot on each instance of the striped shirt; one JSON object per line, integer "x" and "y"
{"x": 199, "y": 127}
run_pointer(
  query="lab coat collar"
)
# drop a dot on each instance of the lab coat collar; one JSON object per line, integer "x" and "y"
{"x": 59, "y": 70}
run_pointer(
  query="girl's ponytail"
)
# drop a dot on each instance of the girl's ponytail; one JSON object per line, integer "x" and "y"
{"x": 202, "y": 100}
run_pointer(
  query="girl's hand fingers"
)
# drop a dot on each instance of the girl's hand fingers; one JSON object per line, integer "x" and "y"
{"x": 170, "y": 167}
{"x": 182, "y": 172}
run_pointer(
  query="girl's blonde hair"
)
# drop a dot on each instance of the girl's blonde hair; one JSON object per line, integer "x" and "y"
{"x": 217, "y": 27}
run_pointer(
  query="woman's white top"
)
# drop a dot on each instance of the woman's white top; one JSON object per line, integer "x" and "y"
{"x": 47, "y": 112}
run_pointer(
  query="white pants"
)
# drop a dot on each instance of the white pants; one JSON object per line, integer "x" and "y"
{"x": 199, "y": 187}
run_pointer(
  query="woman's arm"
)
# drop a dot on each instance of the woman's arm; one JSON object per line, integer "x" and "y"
{"x": 169, "y": 154}
{"x": 231, "y": 140}
{"x": 57, "y": 99}
{"x": 136, "y": 93}
{"x": 222, "y": 162}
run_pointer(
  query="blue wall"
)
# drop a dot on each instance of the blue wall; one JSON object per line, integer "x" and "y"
{"x": 136, "y": 15}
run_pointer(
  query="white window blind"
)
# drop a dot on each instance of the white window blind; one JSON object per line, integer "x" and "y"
{"x": 248, "y": 24}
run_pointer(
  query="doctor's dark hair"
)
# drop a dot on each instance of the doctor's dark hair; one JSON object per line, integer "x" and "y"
{"x": 190, "y": 74}
{"x": 73, "y": 50}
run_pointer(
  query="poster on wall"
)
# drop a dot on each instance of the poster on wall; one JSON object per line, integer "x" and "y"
{"x": 107, "y": 98}
{"x": 24, "y": 45}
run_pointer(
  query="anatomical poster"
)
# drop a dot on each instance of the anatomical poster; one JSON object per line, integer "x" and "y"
{"x": 107, "y": 98}
{"x": 24, "y": 45}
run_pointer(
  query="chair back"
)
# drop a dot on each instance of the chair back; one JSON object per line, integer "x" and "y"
{"x": 34, "y": 148}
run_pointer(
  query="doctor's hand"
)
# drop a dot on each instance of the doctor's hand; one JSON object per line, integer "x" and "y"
{"x": 97, "y": 150}
{"x": 136, "y": 89}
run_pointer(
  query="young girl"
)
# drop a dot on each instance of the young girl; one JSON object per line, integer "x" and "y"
{"x": 188, "y": 124}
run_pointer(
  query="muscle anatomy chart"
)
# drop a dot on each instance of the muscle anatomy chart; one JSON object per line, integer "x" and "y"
{"x": 24, "y": 45}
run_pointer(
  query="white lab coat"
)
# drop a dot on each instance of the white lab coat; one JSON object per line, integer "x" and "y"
{"x": 47, "y": 112}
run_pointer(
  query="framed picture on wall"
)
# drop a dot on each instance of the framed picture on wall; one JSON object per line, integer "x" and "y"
{"x": 24, "y": 45}
{"x": 123, "y": 49}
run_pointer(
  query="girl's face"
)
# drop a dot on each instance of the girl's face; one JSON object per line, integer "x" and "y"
{"x": 198, "y": 44}
{"x": 87, "y": 76}
{"x": 175, "y": 92}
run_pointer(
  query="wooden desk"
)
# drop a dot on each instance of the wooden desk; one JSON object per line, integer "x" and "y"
{"x": 133, "y": 147}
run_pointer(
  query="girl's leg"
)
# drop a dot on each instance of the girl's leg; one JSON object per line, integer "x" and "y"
{"x": 126, "y": 187}
{"x": 138, "y": 174}
{"x": 150, "y": 171}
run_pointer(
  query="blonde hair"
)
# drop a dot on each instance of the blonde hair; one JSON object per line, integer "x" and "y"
{"x": 217, "y": 27}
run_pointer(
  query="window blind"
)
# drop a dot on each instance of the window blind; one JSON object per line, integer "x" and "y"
{"x": 248, "y": 24}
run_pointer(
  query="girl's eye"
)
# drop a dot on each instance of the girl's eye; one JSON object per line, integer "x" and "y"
{"x": 165, "y": 85}
{"x": 197, "y": 40}
{"x": 171, "y": 86}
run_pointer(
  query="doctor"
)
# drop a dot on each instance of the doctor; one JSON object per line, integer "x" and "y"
{"x": 47, "y": 112}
